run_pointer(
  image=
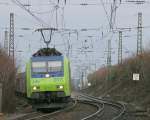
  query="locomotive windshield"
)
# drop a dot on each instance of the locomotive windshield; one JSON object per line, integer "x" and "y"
{"x": 54, "y": 66}
{"x": 46, "y": 66}
{"x": 39, "y": 67}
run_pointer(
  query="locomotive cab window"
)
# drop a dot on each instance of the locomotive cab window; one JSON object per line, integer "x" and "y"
{"x": 54, "y": 66}
{"x": 39, "y": 67}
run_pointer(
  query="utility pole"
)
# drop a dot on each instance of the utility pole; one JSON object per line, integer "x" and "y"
{"x": 58, "y": 1}
{"x": 6, "y": 41}
{"x": 139, "y": 34}
{"x": 139, "y": 46}
{"x": 108, "y": 66}
{"x": 120, "y": 48}
{"x": 57, "y": 7}
{"x": 69, "y": 46}
{"x": 82, "y": 77}
{"x": 11, "y": 36}
{"x": 109, "y": 54}
{"x": 81, "y": 80}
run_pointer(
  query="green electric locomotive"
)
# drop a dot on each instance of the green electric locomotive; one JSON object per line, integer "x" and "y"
{"x": 48, "y": 79}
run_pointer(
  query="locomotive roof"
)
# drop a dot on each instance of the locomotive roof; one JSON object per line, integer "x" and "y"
{"x": 47, "y": 58}
{"x": 47, "y": 52}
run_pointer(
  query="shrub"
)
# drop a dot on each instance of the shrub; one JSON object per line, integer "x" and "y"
{"x": 7, "y": 79}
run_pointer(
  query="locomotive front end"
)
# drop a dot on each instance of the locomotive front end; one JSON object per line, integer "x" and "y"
{"x": 48, "y": 79}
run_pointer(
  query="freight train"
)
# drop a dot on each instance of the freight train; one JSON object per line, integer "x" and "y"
{"x": 48, "y": 77}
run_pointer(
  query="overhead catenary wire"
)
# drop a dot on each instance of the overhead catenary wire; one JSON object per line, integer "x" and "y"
{"x": 128, "y": 2}
{"x": 107, "y": 16}
{"x": 18, "y": 3}
{"x": 105, "y": 34}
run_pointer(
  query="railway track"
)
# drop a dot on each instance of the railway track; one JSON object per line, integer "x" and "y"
{"x": 54, "y": 115}
{"x": 105, "y": 110}
{"x": 42, "y": 116}
{"x": 27, "y": 116}
{"x": 99, "y": 111}
{"x": 110, "y": 110}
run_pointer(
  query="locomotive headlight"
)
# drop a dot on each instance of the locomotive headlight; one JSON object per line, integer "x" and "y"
{"x": 34, "y": 88}
{"x": 61, "y": 87}
{"x": 47, "y": 75}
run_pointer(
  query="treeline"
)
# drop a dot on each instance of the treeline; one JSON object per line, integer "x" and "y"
{"x": 7, "y": 80}
{"x": 117, "y": 81}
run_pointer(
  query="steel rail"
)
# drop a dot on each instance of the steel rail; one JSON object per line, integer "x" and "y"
{"x": 91, "y": 101}
{"x": 100, "y": 107}
{"x": 109, "y": 102}
{"x": 37, "y": 115}
{"x": 27, "y": 115}
{"x": 81, "y": 101}
{"x": 49, "y": 114}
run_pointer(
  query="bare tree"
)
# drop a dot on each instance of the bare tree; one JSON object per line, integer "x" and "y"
{"x": 7, "y": 79}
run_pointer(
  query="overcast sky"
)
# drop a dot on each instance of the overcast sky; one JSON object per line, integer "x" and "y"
{"x": 75, "y": 16}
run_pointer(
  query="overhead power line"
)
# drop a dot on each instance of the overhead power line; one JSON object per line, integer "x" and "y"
{"x": 105, "y": 9}
{"x": 18, "y": 3}
{"x": 136, "y": 1}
